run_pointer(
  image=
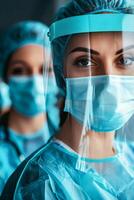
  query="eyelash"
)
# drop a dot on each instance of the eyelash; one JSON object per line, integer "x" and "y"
{"x": 18, "y": 70}
{"x": 123, "y": 57}
{"x": 77, "y": 62}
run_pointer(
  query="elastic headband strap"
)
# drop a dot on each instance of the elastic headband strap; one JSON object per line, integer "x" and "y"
{"x": 92, "y": 23}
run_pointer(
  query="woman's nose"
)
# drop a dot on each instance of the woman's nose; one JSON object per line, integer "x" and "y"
{"x": 108, "y": 67}
{"x": 35, "y": 71}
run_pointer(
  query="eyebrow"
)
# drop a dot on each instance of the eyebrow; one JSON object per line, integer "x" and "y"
{"x": 124, "y": 49}
{"x": 91, "y": 51}
{"x": 21, "y": 62}
{"x": 83, "y": 49}
{"x": 18, "y": 62}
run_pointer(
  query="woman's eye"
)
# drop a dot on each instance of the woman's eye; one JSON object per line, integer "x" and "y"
{"x": 18, "y": 71}
{"x": 127, "y": 61}
{"x": 83, "y": 62}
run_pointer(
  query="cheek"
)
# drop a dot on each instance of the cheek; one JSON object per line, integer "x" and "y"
{"x": 66, "y": 67}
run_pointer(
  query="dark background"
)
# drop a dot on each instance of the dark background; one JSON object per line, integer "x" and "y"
{"x": 12, "y": 11}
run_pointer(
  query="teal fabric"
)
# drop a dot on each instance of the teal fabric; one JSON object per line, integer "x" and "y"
{"x": 92, "y": 23}
{"x": 79, "y": 6}
{"x": 27, "y": 144}
{"x": 19, "y": 35}
{"x": 51, "y": 103}
{"x": 28, "y": 92}
{"x": 51, "y": 174}
{"x": 96, "y": 99}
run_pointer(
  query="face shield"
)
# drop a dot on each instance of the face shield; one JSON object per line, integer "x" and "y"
{"x": 51, "y": 91}
{"x": 93, "y": 60}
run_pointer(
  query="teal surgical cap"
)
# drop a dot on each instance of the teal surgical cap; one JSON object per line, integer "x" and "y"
{"x": 82, "y": 7}
{"x": 19, "y": 35}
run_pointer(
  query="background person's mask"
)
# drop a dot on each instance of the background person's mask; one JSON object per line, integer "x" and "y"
{"x": 27, "y": 95}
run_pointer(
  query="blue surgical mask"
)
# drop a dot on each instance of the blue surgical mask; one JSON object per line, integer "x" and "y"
{"x": 27, "y": 94}
{"x": 5, "y": 101}
{"x": 51, "y": 102}
{"x": 100, "y": 103}
{"x": 52, "y": 87}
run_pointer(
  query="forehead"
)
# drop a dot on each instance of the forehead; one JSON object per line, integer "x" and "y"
{"x": 28, "y": 49}
{"x": 101, "y": 40}
{"x": 28, "y": 53}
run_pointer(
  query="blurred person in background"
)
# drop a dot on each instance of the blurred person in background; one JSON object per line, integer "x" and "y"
{"x": 29, "y": 123}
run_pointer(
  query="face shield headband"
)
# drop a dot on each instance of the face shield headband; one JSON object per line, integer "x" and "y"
{"x": 92, "y": 23}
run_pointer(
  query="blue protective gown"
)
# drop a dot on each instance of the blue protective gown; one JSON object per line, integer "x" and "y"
{"x": 9, "y": 159}
{"x": 51, "y": 174}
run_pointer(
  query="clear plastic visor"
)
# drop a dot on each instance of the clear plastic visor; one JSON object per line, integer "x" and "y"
{"x": 97, "y": 70}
